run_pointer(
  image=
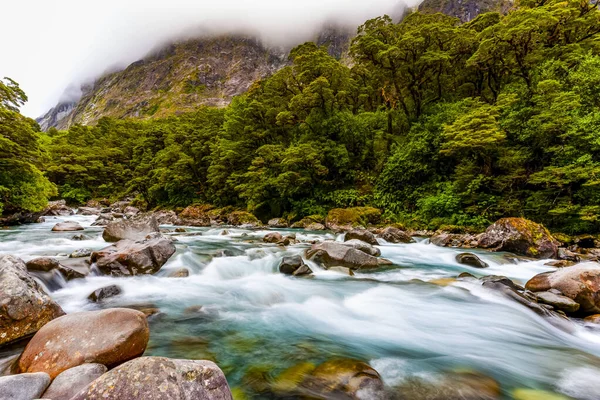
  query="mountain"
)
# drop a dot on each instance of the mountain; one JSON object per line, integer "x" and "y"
{"x": 465, "y": 10}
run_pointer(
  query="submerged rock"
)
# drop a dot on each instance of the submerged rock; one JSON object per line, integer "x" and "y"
{"x": 68, "y": 383}
{"x": 179, "y": 273}
{"x": 294, "y": 265}
{"x": 104, "y": 293}
{"x": 395, "y": 235}
{"x": 471, "y": 260}
{"x": 333, "y": 254}
{"x": 134, "y": 258}
{"x": 67, "y": 226}
{"x": 24, "y": 306}
{"x": 454, "y": 386}
{"x": 109, "y": 337}
{"x": 132, "y": 229}
{"x": 519, "y": 236}
{"x": 580, "y": 283}
{"x": 23, "y": 386}
{"x": 159, "y": 378}
{"x": 362, "y": 235}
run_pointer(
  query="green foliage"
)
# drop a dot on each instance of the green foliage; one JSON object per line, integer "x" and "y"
{"x": 435, "y": 123}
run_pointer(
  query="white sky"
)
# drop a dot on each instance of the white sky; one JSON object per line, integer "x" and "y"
{"x": 47, "y": 45}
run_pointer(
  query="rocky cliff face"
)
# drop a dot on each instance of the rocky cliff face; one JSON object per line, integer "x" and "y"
{"x": 178, "y": 78}
{"x": 465, "y": 10}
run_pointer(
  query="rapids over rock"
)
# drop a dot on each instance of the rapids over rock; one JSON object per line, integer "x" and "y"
{"x": 408, "y": 320}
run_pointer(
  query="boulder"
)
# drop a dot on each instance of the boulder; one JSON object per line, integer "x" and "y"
{"x": 43, "y": 264}
{"x": 272, "y": 237}
{"x": 361, "y": 234}
{"x": 119, "y": 206}
{"x": 81, "y": 253}
{"x": 395, "y": 235}
{"x": 315, "y": 226}
{"x": 179, "y": 273}
{"x": 67, "y": 226}
{"x": 511, "y": 292}
{"x": 313, "y": 220}
{"x": 24, "y": 306}
{"x": 519, "y": 236}
{"x": 560, "y": 263}
{"x": 103, "y": 220}
{"x": 243, "y": 218}
{"x": 159, "y": 378}
{"x": 558, "y": 301}
{"x": 131, "y": 210}
{"x": 81, "y": 236}
{"x": 343, "y": 379}
{"x": 68, "y": 383}
{"x": 593, "y": 319}
{"x": 277, "y": 223}
{"x": 294, "y": 265}
{"x": 471, "y": 260}
{"x": 133, "y": 258}
{"x": 167, "y": 217}
{"x": 109, "y": 337}
{"x": 132, "y": 229}
{"x": 103, "y": 293}
{"x": 364, "y": 247}
{"x": 334, "y": 254}
{"x": 453, "y": 240}
{"x": 58, "y": 208}
{"x": 580, "y": 283}
{"x": 88, "y": 211}
{"x": 344, "y": 219}
{"x": 23, "y": 386}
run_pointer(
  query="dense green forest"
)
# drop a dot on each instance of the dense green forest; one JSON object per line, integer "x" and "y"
{"x": 433, "y": 121}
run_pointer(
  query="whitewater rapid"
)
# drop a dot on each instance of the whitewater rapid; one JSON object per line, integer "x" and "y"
{"x": 241, "y": 312}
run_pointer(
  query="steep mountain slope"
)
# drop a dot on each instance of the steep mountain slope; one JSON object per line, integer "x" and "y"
{"x": 178, "y": 78}
{"x": 465, "y": 10}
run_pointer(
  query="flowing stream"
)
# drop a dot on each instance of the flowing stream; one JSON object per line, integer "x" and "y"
{"x": 236, "y": 309}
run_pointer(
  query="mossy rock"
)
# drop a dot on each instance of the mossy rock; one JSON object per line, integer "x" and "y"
{"x": 306, "y": 221}
{"x": 289, "y": 380}
{"x": 237, "y": 218}
{"x": 348, "y": 218}
{"x": 535, "y": 394}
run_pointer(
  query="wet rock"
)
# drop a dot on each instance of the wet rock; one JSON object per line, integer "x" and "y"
{"x": 519, "y": 236}
{"x": 286, "y": 241}
{"x": 132, "y": 229}
{"x": 315, "y": 226}
{"x": 453, "y": 386}
{"x": 560, "y": 263}
{"x": 510, "y": 292}
{"x": 471, "y": 260}
{"x": 453, "y": 240}
{"x": 501, "y": 279}
{"x": 333, "y": 254}
{"x": 342, "y": 270}
{"x": 24, "y": 306}
{"x": 58, "y": 208}
{"x": 395, "y": 235}
{"x": 167, "y": 217}
{"x": 109, "y": 337}
{"x": 537, "y": 394}
{"x": 362, "y": 235}
{"x": 126, "y": 257}
{"x": 364, "y": 247}
{"x": 312, "y": 221}
{"x": 593, "y": 319}
{"x": 68, "y": 383}
{"x": 580, "y": 283}
{"x": 23, "y": 386}
{"x": 345, "y": 219}
{"x": 243, "y": 218}
{"x": 158, "y": 377}
{"x": 44, "y": 264}
{"x": 294, "y": 265}
{"x": 567, "y": 255}
{"x": 103, "y": 293}
{"x": 81, "y": 236}
{"x": 81, "y": 253}
{"x": 277, "y": 223}
{"x": 88, "y": 211}
{"x": 343, "y": 378}
{"x": 179, "y": 273}
{"x": 273, "y": 237}
{"x": 466, "y": 275}
{"x": 103, "y": 220}
{"x": 557, "y": 301}
{"x": 67, "y": 226}
{"x": 180, "y": 230}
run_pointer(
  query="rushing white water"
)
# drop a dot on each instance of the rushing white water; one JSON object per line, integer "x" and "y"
{"x": 393, "y": 318}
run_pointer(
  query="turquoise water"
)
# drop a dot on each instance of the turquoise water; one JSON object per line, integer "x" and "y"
{"x": 254, "y": 322}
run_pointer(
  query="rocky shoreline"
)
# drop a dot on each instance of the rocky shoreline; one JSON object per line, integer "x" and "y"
{"x": 60, "y": 362}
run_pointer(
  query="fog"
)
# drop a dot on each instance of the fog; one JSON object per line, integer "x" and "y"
{"x": 51, "y": 48}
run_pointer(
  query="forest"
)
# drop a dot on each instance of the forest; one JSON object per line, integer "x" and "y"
{"x": 435, "y": 122}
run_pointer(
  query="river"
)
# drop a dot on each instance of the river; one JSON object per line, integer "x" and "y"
{"x": 239, "y": 311}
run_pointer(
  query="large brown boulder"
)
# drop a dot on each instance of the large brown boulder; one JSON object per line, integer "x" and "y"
{"x": 67, "y": 226}
{"x": 126, "y": 257}
{"x": 196, "y": 215}
{"x": 159, "y": 378}
{"x": 334, "y": 254}
{"x": 519, "y": 236}
{"x": 132, "y": 229}
{"x": 24, "y": 306}
{"x": 109, "y": 337}
{"x": 361, "y": 234}
{"x": 580, "y": 283}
